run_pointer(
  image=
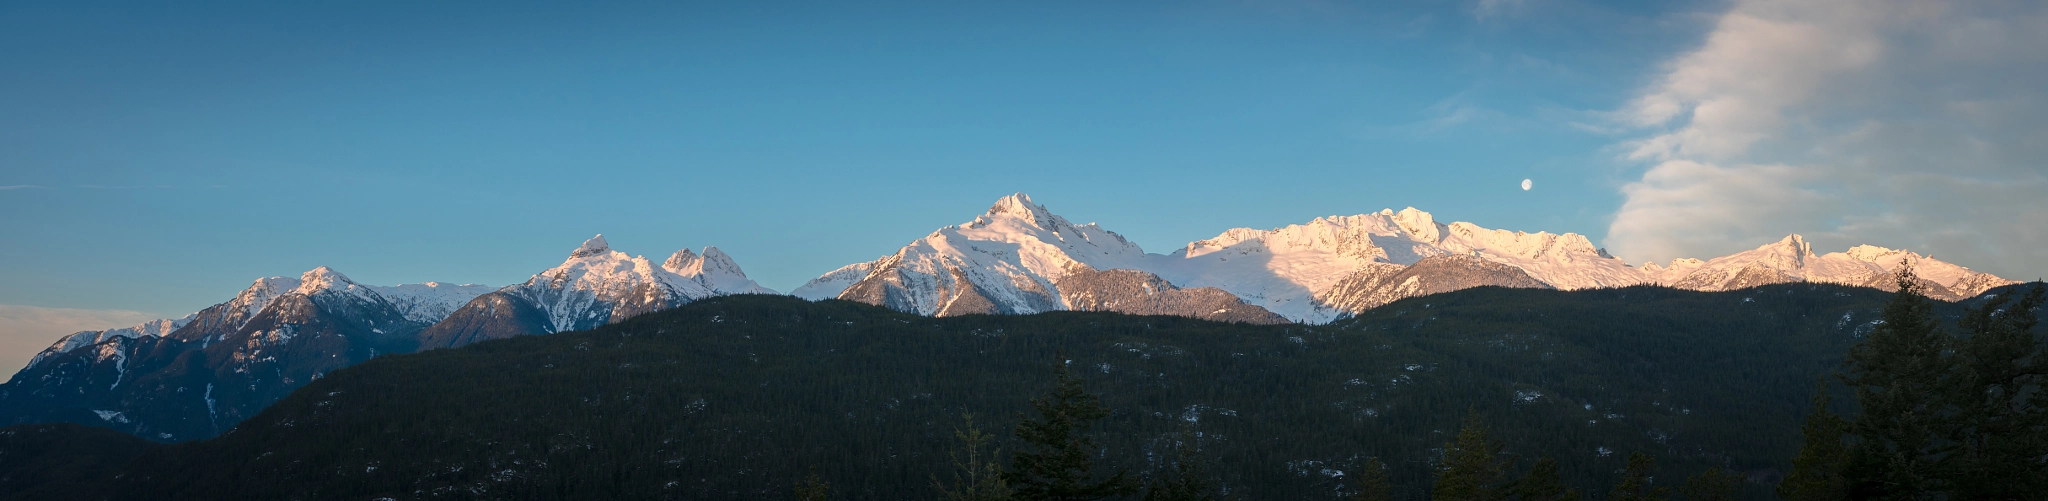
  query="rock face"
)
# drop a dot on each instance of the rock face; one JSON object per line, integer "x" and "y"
{"x": 194, "y": 377}
{"x": 1017, "y": 258}
{"x": 594, "y": 286}
{"x": 1140, "y": 293}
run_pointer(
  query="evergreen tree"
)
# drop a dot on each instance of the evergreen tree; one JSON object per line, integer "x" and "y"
{"x": 974, "y": 479}
{"x": 1188, "y": 477}
{"x": 1715, "y": 484}
{"x": 1372, "y": 482}
{"x": 1471, "y": 470}
{"x": 812, "y": 488}
{"x": 1635, "y": 482}
{"x": 1543, "y": 483}
{"x": 1059, "y": 464}
{"x": 1817, "y": 470}
{"x": 1996, "y": 445}
{"x": 1898, "y": 374}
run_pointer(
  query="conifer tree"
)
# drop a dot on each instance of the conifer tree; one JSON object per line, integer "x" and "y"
{"x": 1817, "y": 470}
{"x": 1372, "y": 482}
{"x": 1898, "y": 374}
{"x": 1188, "y": 477}
{"x": 1635, "y": 482}
{"x": 1543, "y": 483}
{"x": 1715, "y": 484}
{"x": 1997, "y": 441}
{"x": 974, "y": 478}
{"x": 1058, "y": 464}
{"x": 1471, "y": 470}
{"x": 812, "y": 488}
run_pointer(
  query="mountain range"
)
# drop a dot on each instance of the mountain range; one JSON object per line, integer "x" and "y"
{"x": 196, "y": 376}
{"x": 1019, "y": 257}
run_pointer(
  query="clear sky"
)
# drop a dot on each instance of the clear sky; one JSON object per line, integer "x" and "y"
{"x": 155, "y": 157}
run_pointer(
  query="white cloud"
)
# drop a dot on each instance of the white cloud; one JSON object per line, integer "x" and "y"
{"x": 1896, "y": 123}
{"x": 26, "y": 330}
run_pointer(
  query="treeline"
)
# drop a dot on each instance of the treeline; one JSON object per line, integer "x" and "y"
{"x": 751, "y": 397}
{"x": 1940, "y": 414}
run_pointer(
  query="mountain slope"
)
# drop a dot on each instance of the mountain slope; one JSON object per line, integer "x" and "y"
{"x": 1012, "y": 259}
{"x": 737, "y": 397}
{"x": 224, "y": 363}
{"x": 594, "y": 286}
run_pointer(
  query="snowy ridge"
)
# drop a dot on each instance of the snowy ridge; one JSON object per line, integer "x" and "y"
{"x": 1004, "y": 261}
{"x": 1011, "y": 258}
{"x": 153, "y": 328}
{"x": 833, "y": 282}
{"x": 1792, "y": 259}
{"x": 596, "y": 284}
{"x": 424, "y": 303}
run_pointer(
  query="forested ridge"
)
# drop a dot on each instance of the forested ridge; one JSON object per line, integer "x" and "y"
{"x": 743, "y": 397}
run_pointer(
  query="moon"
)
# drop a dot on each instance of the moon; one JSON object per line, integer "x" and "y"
{"x": 1526, "y": 184}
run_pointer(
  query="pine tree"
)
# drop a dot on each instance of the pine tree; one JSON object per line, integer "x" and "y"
{"x": 1817, "y": 470}
{"x": 1470, "y": 471}
{"x": 1188, "y": 478}
{"x": 1543, "y": 483}
{"x": 1059, "y": 463}
{"x": 1996, "y": 445}
{"x": 1635, "y": 482}
{"x": 812, "y": 488}
{"x": 1898, "y": 374}
{"x": 974, "y": 479}
{"x": 1372, "y": 482}
{"x": 1714, "y": 484}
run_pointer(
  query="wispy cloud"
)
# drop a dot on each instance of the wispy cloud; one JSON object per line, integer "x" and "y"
{"x": 1896, "y": 123}
{"x": 127, "y": 187}
{"x": 22, "y": 187}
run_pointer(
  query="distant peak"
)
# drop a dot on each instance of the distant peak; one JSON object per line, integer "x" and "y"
{"x": 322, "y": 278}
{"x": 1870, "y": 252}
{"x": 1019, "y": 206}
{"x": 592, "y": 247}
{"x": 680, "y": 260}
{"x": 1797, "y": 243}
{"x": 1016, "y": 203}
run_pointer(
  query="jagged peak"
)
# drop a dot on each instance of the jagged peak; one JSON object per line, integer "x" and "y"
{"x": 682, "y": 259}
{"x": 1019, "y": 206}
{"x": 718, "y": 261}
{"x": 1794, "y": 242}
{"x": 592, "y": 247}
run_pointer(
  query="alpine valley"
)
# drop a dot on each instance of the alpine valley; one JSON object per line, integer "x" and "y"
{"x": 198, "y": 376}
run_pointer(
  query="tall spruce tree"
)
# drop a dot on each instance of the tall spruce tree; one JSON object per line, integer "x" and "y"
{"x": 1372, "y": 482}
{"x": 1817, "y": 470}
{"x": 1995, "y": 444}
{"x": 1057, "y": 463}
{"x": 1543, "y": 483}
{"x": 1187, "y": 478}
{"x": 1636, "y": 482}
{"x": 1471, "y": 470}
{"x": 974, "y": 478}
{"x": 1899, "y": 375}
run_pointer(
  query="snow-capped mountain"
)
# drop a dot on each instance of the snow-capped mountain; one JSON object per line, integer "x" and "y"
{"x": 151, "y": 329}
{"x": 1013, "y": 259}
{"x": 193, "y": 377}
{"x": 1792, "y": 260}
{"x": 594, "y": 286}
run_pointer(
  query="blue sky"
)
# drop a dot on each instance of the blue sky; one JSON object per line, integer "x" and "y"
{"x": 155, "y": 158}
